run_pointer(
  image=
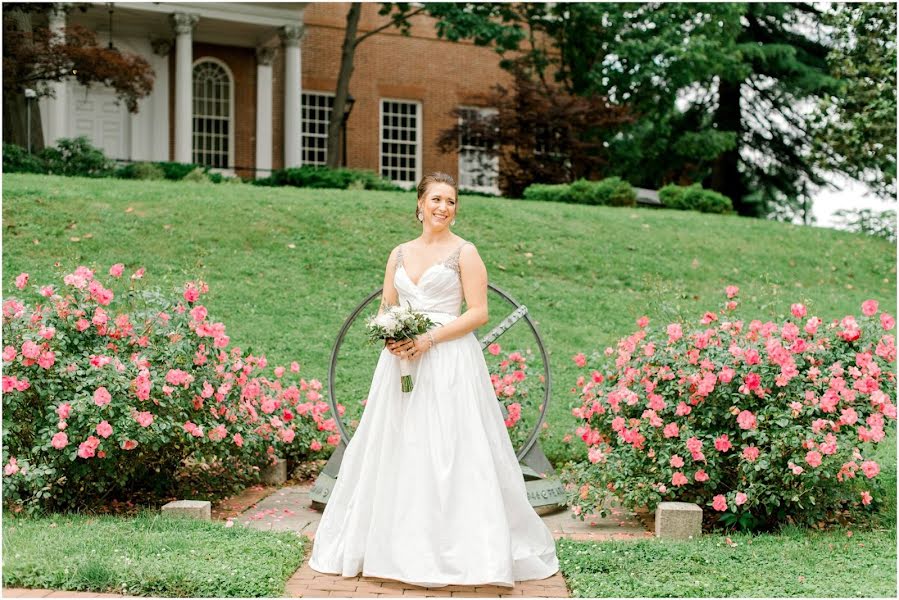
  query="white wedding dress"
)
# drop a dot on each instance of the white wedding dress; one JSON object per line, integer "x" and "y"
{"x": 430, "y": 491}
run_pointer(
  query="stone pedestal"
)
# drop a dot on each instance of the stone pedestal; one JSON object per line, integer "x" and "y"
{"x": 196, "y": 509}
{"x": 678, "y": 520}
{"x": 275, "y": 474}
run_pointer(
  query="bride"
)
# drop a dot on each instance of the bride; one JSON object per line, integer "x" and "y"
{"x": 430, "y": 491}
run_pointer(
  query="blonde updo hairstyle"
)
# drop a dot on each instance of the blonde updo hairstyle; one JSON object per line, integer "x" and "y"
{"x": 431, "y": 178}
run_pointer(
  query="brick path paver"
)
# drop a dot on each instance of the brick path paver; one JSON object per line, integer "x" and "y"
{"x": 288, "y": 509}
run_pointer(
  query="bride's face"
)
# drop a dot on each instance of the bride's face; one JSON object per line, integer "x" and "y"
{"x": 438, "y": 206}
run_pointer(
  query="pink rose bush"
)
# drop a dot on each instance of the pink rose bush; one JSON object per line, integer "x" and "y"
{"x": 110, "y": 391}
{"x": 758, "y": 422}
{"x": 512, "y": 380}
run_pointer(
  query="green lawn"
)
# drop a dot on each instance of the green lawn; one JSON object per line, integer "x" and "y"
{"x": 793, "y": 563}
{"x": 147, "y": 555}
{"x": 286, "y": 266}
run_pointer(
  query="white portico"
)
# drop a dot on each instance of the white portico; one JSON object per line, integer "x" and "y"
{"x": 190, "y": 115}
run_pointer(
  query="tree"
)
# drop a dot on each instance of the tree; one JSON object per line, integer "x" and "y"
{"x": 35, "y": 56}
{"x": 455, "y": 22}
{"x": 856, "y": 128}
{"x": 566, "y": 144}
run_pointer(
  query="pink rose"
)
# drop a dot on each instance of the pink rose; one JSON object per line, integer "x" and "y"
{"x": 315, "y": 445}
{"x": 722, "y": 443}
{"x": 102, "y": 397}
{"x": 719, "y": 502}
{"x": 12, "y": 467}
{"x": 60, "y": 440}
{"x": 642, "y": 322}
{"x": 494, "y": 349}
{"x": 887, "y": 321}
{"x": 671, "y": 430}
{"x": 674, "y": 332}
{"x": 88, "y": 448}
{"x": 238, "y": 440}
{"x": 866, "y": 498}
{"x": 746, "y": 420}
{"x": 144, "y": 418}
{"x": 796, "y": 469}
{"x": 9, "y": 353}
{"x": 117, "y": 269}
{"x": 740, "y": 499}
{"x": 869, "y": 308}
{"x": 679, "y": 479}
{"x": 104, "y": 429}
{"x": 579, "y": 359}
{"x": 22, "y": 281}
{"x": 870, "y": 468}
{"x": 677, "y": 462}
{"x": 129, "y": 445}
{"x": 798, "y": 310}
{"x": 813, "y": 458}
{"x": 731, "y": 291}
{"x": 701, "y": 476}
{"x": 751, "y": 453}
{"x": 279, "y": 372}
{"x": 138, "y": 274}
{"x": 64, "y": 410}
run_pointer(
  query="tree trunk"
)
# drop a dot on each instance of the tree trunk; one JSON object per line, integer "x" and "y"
{"x": 15, "y": 107}
{"x": 725, "y": 177}
{"x": 343, "y": 84}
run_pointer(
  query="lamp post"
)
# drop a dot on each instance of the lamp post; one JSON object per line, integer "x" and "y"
{"x": 346, "y": 115}
{"x": 30, "y": 95}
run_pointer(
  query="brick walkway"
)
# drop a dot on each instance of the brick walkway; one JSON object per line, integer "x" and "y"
{"x": 288, "y": 509}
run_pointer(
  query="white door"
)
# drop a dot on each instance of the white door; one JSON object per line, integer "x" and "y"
{"x": 96, "y": 113}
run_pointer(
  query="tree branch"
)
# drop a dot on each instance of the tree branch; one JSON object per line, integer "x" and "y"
{"x": 394, "y": 21}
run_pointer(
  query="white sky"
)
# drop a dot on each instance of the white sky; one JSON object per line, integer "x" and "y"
{"x": 852, "y": 195}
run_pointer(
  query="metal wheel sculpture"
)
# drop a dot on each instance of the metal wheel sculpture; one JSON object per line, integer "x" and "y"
{"x": 545, "y": 491}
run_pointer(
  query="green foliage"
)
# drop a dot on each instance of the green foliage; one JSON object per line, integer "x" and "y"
{"x": 855, "y": 129}
{"x": 870, "y": 222}
{"x": 612, "y": 191}
{"x": 148, "y": 555}
{"x": 198, "y": 175}
{"x": 141, "y": 170}
{"x": 17, "y": 159}
{"x": 322, "y": 178}
{"x": 693, "y": 197}
{"x": 76, "y": 156}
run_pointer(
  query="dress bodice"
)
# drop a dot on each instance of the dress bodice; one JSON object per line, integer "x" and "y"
{"x": 439, "y": 288}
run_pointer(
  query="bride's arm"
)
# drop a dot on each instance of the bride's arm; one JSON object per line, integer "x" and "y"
{"x": 474, "y": 286}
{"x": 389, "y": 297}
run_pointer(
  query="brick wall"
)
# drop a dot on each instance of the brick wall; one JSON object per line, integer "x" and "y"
{"x": 439, "y": 74}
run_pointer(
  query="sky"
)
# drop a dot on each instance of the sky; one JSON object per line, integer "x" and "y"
{"x": 852, "y": 195}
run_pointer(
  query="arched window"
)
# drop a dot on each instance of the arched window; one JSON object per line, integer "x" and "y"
{"x": 213, "y": 114}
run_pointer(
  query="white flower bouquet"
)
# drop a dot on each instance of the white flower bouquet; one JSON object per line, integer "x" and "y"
{"x": 398, "y": 323}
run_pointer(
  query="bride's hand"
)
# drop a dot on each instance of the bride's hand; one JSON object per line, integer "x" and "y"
{"x": 417, "y": 347}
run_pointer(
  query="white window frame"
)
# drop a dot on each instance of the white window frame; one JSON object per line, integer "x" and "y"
{"x": 418, "y": 137}
{"x": 305, "y": 151}
{"x": 229, "y": 168}
{"x": 489, "y": 189}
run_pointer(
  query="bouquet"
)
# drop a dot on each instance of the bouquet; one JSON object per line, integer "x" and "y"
{"x": 399, "y": 323}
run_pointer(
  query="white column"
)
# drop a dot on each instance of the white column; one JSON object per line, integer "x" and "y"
{"x": 290, "y": 38}
{"x": 183, "y": 24}
{"x": 58, "y": 105}
{"x": 264, "y": 58}
{"x": 159, "y": 147}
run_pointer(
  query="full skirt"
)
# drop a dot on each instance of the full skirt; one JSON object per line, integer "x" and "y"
{"x": 430, "y": 491}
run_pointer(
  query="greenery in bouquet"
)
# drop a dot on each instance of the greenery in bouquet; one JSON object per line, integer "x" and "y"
{"x": 108, "y": 393}
{"x": 760, "y": 423}
{"x": 398, "y": 323}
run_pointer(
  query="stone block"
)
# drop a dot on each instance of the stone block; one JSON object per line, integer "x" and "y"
{"x": 196, "y": 509}
{"x": 678, "y": 520}
{"x": 275, "y": 474}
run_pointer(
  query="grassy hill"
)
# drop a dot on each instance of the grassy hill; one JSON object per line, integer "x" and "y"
{"x": 286, "y": 266}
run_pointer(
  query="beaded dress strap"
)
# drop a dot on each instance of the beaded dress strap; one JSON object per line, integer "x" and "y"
{"x": 453, "y": 260}
{"x": 399, "y": 257}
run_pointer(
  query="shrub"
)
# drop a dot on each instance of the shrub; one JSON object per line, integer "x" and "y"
{"x": 76, "y": 157}
{"x": 758, "y": 423}
{"x": 114, "y": 392}
{"x": 612, "y": 191}
{"x": 17, "y": 159}
{"x": 546, "y": 192}
{"x": 198, "y": 175}
{"x": 322, "y": 177}
{"x": 177, "y": 171}
{"x": 512, "y": 379}
{"x": 141, "y": 170}
{"x": 693, "y": 197}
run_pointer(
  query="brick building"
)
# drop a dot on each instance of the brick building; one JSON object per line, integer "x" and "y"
{"x": 247, "y": 87}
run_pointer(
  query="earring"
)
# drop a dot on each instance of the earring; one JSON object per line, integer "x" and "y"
{"x": 421, "y": 217}
{"x": 453, "y": 222}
